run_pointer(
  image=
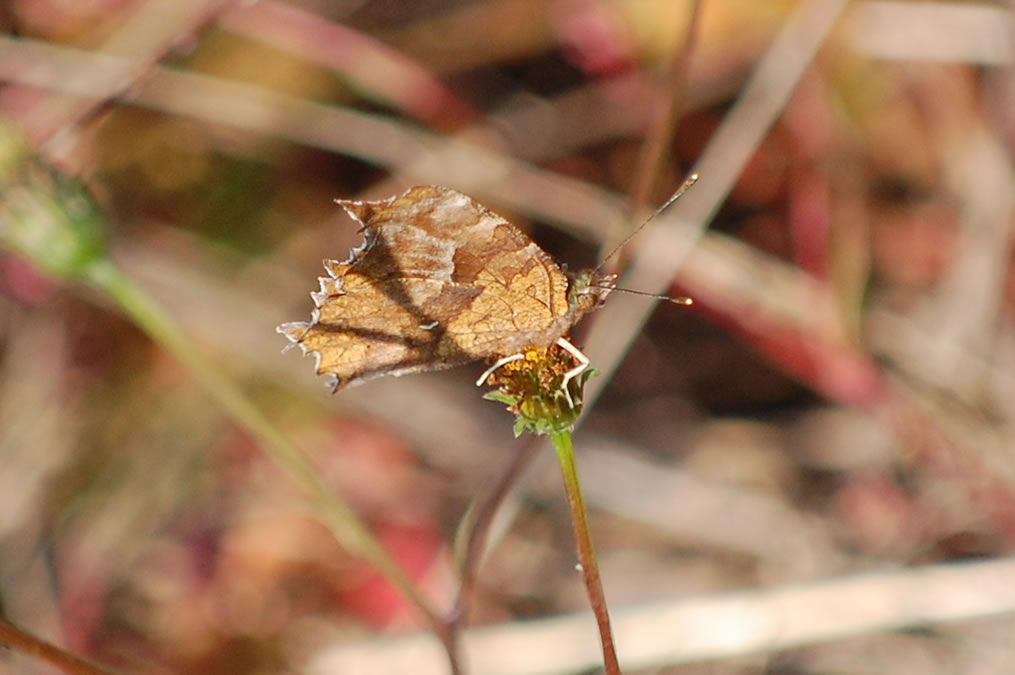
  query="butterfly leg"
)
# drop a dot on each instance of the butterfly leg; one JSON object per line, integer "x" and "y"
{"x": 583, "y": 364}
{"x": 500, "y": 362}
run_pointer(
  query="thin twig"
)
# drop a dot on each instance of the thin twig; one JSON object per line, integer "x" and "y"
{"x": 663, "y": 125}
{"x": 28, "y": 644}
{"x": 476, "y": 538}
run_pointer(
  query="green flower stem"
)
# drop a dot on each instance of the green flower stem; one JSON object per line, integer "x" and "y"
{"x": 52, "y": 221}
{"x": 586, "y": 555}
{"x": 328, "y": 507}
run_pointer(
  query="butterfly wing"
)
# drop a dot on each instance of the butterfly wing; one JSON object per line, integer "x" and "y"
{"x": 439, "y": 281}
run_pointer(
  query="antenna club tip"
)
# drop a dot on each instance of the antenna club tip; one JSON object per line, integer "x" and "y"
{"x": 682, "y": 301}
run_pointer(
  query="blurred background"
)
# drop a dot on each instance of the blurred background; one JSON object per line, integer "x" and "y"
{"x": 838, "y": 402}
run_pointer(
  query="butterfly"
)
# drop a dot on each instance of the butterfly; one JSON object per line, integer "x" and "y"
{"x": 440, "y": 281}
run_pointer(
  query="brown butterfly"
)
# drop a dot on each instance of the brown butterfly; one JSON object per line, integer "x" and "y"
{"x": 440, "y": 281}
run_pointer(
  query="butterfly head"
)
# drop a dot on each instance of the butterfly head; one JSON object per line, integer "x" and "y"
{"x": 588, "y": 290}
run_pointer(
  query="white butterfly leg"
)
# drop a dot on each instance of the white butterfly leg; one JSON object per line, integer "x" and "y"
{"x": 583, "y": 364}
{"x": 500, "y": 362}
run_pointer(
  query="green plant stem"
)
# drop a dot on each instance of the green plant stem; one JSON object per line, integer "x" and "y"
{"x": 343, "y": 522}
{"x": 586, "y": 555}
{"x": 51, "y": 220}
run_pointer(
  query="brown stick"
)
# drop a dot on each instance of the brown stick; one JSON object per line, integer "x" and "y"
{"x": 26, "y": 643}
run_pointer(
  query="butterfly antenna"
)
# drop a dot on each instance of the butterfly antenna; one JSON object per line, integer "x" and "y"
{"x": 678, "y": 300}
{"x": 691, "y": 180}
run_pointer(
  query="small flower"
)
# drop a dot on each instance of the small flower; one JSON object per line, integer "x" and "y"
{"x": 531, "y": 387}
